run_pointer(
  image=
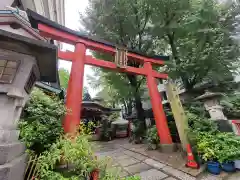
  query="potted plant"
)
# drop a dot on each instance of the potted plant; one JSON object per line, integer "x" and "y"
{"x": 229, "y": 151}
{"x": 207, "y": 148}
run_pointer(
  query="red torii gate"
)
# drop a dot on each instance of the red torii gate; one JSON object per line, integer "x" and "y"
{"x": 79, "y": 58}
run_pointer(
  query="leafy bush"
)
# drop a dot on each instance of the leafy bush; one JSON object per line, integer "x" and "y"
{"x": 87, "y": 128}
{"x": 231, "y": 106}
{"x": 152, "y": 135}
{"x": 79, "y": 155}
{"x": 200, "y": 123}
{"x": 41, "y": 123}
{"x": 222, "y": 147}
{"x": 196, "y": 107}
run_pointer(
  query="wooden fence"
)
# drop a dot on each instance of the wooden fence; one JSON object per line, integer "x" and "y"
{"x": 31, "y": 172}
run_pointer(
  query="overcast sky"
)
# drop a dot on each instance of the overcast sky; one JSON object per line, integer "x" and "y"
{"x": 72, "y": 9}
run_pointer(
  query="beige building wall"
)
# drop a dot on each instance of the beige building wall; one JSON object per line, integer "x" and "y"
{"x": 51, "y": 9}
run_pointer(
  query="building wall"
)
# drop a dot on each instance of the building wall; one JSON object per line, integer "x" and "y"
{"x": 4, "y": 3}
{"x": 52, "y": 9}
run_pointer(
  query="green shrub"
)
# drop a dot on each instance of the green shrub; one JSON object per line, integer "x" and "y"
{"x": 152, "y": 135}
{"x": 79, "y": 155}
{"x": 87, "y": 128}
{"x": 41, "y": 124}
{"x": 231, "y": 106}
{"x": 222, "y": 147}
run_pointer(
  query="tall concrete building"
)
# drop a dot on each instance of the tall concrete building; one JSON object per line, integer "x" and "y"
{"x": 52, "y": 9}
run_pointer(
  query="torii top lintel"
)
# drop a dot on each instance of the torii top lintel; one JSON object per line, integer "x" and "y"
{"x": 61, "y": 33}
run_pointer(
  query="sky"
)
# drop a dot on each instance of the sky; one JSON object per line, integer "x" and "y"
{"x": 72, "y": 9}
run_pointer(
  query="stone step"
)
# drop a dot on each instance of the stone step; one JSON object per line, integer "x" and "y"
{"x": 9, "y": 136}
{"x": 14, "y": 170}
{"x": 9, "y": 151}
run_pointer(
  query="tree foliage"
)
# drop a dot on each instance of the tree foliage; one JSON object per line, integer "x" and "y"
{"x": 41, "y": 124}
{"x": 231, "y": 105}
{"x": 197, "y": 34}
{"x": 64, "y": 76}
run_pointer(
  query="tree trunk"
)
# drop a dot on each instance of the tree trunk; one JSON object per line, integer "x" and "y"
{"x": 129, "y": 107}
{"x": 138, "y": 102}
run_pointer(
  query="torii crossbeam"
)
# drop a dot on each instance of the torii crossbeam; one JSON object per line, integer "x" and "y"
{"x": 79, "y": 58}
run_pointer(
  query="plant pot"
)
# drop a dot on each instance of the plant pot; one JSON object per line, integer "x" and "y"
{"x": 228, "y": 166}
{"x": 213, "y": 167}
{"x": 237, "y": 164}
{"x": 95, "y": 175}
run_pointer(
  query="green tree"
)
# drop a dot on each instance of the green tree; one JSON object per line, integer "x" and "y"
{"x": 64, "y": 76}
{"x": 199, "y": 35}
{"x": 124, "y": 23}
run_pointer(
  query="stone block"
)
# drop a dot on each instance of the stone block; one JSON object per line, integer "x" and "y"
{"x": 8, "y": 136}
{"x": 127, "y": 162}
{"x": 13, "y": 170}
{"x": 179, "y": 174}
{"x": 137, "y": 168}
{"x": 168, "y": 148}
{"x": 170, "y": 178}
{"x": 154, "y": 163}
{"x": 10, "y": 151}
{"x": 152, "y": 174}
{"x": 140, "y": 157}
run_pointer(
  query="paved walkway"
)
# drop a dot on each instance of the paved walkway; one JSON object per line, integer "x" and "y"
{"x": 130, "y": 162}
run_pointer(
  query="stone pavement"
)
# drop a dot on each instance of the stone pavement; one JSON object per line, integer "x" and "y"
{"x": 136, "y": 163}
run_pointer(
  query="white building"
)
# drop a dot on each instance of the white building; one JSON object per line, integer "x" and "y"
{"x": 52, "y": 9}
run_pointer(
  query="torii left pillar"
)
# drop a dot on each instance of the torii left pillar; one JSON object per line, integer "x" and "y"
{"x": 74, "y": 91}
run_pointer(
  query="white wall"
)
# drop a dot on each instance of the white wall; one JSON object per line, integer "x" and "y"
{"x": 4, "y": 3}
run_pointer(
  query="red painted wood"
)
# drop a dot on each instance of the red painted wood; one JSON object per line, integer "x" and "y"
{"x": 68, "y": 56}
{"x": 110, "y": 65}
{"x": 234, "y": 121}
{"x": 156, "y": 100}
{"x": 74, "y": 94}
{"x": 72, "y": 39}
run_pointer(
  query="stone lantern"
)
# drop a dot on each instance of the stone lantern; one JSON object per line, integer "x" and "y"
{"x": 23, "y": 61}
{"x": 211, "y": 102}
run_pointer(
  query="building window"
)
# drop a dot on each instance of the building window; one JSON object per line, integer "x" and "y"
{"x": 8, "y": 70}
{"x": 30, "y": 83}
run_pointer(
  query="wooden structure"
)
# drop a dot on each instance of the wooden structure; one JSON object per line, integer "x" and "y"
{"x": 82, "y": 42}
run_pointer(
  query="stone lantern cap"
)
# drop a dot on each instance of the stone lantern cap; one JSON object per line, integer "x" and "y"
{"x": 209, "y": 95}
{"x": 45, "y": 53}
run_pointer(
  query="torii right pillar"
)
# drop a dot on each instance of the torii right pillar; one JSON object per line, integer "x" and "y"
{"x": 158, "y": 111}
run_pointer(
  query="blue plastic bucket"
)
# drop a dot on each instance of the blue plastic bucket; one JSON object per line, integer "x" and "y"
{"x": 213, "y": 167}
{"x": 228, "y": 167}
